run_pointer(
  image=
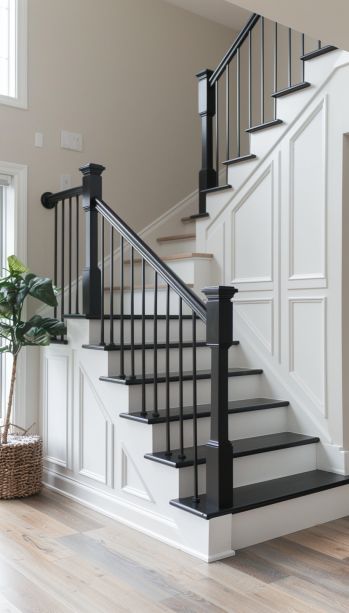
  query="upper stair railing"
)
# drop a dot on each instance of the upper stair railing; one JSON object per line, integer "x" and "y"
{"x": 124, "y": 285}
{"x": 265, "y": 62}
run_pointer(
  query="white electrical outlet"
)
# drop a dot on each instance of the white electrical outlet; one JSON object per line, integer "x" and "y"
{"x": 71, "y": 140}
{"x": 65, "y": 182}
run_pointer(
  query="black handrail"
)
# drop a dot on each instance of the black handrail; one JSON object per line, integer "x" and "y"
{"x": 233, "y": 49}
{"x": 170, "y": 277}
{"x": 48, "y": 199}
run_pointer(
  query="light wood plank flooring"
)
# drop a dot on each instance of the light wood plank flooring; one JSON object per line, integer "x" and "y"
{"x": 57, "y": 557}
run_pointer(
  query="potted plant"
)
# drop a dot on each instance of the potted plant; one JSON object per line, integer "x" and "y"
{"x": 21, "y": 455}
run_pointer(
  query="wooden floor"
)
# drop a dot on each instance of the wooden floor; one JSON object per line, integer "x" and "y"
{"x": 56, "y": 556}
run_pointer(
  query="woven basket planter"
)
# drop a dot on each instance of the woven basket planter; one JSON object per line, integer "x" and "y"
{"x": 20, "y": 467}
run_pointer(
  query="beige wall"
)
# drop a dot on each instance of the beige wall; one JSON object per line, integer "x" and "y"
{"x": 317, "y": 18}
{"x": 121, "y": 72}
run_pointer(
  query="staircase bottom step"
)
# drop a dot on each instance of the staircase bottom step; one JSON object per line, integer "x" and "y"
{"x": 266, "y": 493}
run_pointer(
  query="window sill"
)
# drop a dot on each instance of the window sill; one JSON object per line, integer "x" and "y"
{"x": 18, "y": 103}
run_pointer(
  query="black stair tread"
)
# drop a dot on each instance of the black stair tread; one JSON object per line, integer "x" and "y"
{"x": 187, "y": 376}
{"x": 313, "y": 54}
{"x": 241, "y": 447}
{"x": 194, "y": 217}
{"x": 265, "y": 493}
{"x": 218, "y": 188}
{"x": 139, "y": 346}
{"x": 241, "y": 158}
{"x": 127, "y": 317}
{"x": 204, "y": 410}
{"x": 291, "y": 90}
{"x": 264, "y": 126}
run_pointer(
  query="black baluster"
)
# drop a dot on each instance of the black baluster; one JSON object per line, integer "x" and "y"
{"x": 196, "y": 498}
{"x": 144, "y": 403}
{"x": 55, "y": 254}
{"x": 250, "y": 79}
{"x": 111, "y": 283}
{"x": 70, "y": 255}
{"x": 62, "y": 262}
{"x": 132, "y": 322}
{"x": 275, "y": 67}
{"x": 227, "y": 116}
{"x": 167, "y": 359}
{"x": 289, "y": 57}
{"x": 122, "y": 308}
{"x": 319, "y": 44}
{"x": 181, "y": 423}
{"x": 262, "y": 72}
{"x": 111, "y": 289}
{"x": 238, "y": 101}
{"x": 77, "y": 246}
{"x": 217, "y": 130}
{"x": 302, "y": 53}
{"x": 207, "y": 174}
{"x": 156, "y": 409}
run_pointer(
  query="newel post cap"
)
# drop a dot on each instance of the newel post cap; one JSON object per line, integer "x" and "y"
{"x": 91, "y": 169}
{"x": 219, "y": 293}
{"x": 219, "y": 329}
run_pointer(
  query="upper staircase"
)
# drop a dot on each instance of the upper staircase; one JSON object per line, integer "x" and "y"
{"x": 193, "y": 424}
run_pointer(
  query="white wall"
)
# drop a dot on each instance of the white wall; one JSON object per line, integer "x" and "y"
{"x": 121, "y": 72}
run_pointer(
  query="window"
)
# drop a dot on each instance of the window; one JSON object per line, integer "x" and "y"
{"x": 13, "y": 52}
{"x": 6, "y": 248}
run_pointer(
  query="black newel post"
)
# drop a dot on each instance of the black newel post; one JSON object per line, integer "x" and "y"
{"x": 207, "y": 110}
{"x": 219, "y": 454}
{"x": 91, "y": 275}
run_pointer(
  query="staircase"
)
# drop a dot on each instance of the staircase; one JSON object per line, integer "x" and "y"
{"x": 168, "y": 423}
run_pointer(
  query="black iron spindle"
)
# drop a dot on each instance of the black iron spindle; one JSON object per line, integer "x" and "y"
{"x": 180, "y": 349}
{"x": 111, "y": 283}
{"x": 250, "y": 79}
{"x": 275, "y": 66}
{"x": 62, "y": 261}
{"x": 238, "y": 100}
{"x": 167, "y": 360}
{"x": 289, "y": 57}
{"x": 77, "y": 246}
{"x": 111, "y": 289}
{"x": 302, "y": 53}
{"x": 217, "y": 130}
{"x": 122, "y": 309}
{"x": 132, "y": 322}
{"x": 319, "y": 44}
{"x": 155, "y": 339}
{"x": 144, "y": 403}
{"x": 195, "y": 416}
{"x": 70, "y": 256}
{"x": 227, "y": 116}
{"x": 55, "y": 254}
{"x": 262, "y": 73}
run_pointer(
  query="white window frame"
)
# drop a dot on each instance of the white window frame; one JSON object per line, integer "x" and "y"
{"x": 17, "y": 199}
{"x": 20, "y": 61}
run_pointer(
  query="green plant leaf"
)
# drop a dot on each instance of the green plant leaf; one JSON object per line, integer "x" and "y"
{"x": 37, "y": 336}
{"x": 53, "y": 326}
{"x": 41, "y": 288}
{"x": 15, "y": 266}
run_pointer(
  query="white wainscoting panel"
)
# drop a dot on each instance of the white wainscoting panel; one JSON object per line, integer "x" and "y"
{"x": 258, "y": 315}
{"x": 56, "y": 408}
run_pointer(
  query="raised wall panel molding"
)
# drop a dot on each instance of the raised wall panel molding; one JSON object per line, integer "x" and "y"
{"x": 307, "y": 347}
{"x": 132, "y": 481}
{"x": 308, "y": 198}
{"x": 252, "y": 232}
{"x": 56, "y": 408}
{"x": 96, "y": 434}
{"x": 266, "y": 336}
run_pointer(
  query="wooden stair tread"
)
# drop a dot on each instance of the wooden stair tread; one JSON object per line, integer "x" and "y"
{"x": 265, "y": 493}
{"x": 117, "y": 288}
{"x": 291, "y": 90}
{"x": 177, "y": 256}
{"x": 176, "y": 237}
{"x": 187, "y": 376}
{"x": 240, "y": 448}
{"x": 204, "y": 410}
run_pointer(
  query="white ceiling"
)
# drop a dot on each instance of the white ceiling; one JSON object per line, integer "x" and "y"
{"x": 220, "y": 11}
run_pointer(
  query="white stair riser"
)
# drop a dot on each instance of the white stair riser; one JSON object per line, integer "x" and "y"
{"x": 149, "y": 302}
{"x": 175, "y": 247}
{"x": 95, "y": 331}
{"x": 190, "y": 270}
{"x": 239, "y": 387}
{"x": 254, "y": 468}
{"x": 202, "y": 355}
{"x": 241, "y": 425}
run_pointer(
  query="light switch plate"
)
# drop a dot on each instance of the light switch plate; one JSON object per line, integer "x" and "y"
{"x": 71, "y": 140}
{"x": 39, "y": 139}
{"x": 65, "y": 182}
